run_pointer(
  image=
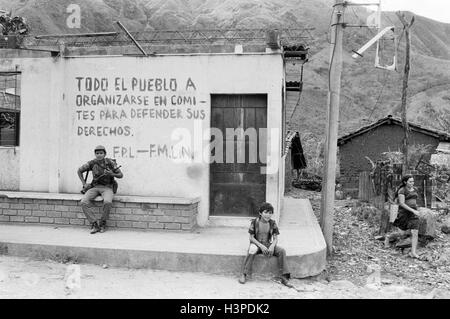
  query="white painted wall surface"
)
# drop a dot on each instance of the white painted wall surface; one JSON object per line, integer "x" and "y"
{"x": 53, "y": 146}
{"x": 35, "y": 133}
{"x": 9, "y": 168}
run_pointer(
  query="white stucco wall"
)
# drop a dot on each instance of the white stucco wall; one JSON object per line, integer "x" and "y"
{"x": 9, "y": 168}
{"x": 37, "y": 108}
{"x": 54, "y": 141}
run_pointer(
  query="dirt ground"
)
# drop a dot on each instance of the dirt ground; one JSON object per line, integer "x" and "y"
{"x": 358, "y": 255}
{"x": 360, "y": 268}
{"x": 25, "y": 278}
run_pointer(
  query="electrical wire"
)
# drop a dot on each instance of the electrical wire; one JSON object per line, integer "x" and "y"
{"x": 358, "y": 17}
{"x": 387, "y": 75}
{"x": 332, "y": 58}
{"x": 387, "y": 17}
{"x": 299, "y": 96}
{"x": 295, "y": 107}
{"x": 329, "y": 29}
{"x": 401, "y": 34}
{"x": 400, "y": 38}
{"x": 331, "y": 62}
{"x": 374, "y": 34}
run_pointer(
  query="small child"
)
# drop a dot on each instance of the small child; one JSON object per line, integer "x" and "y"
{"x": 263, "y": 239}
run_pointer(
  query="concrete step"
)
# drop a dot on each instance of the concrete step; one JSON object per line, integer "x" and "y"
{"x": 210, "y": 249}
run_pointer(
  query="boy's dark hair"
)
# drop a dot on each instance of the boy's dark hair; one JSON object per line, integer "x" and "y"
{"x": 266, "y": 206}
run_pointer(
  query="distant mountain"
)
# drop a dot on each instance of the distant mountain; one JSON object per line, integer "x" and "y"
{"x": 48, "y": 16}
{"x": 367, "y": 93}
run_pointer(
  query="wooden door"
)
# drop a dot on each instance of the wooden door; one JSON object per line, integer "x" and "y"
{"x": 237, "y": 189}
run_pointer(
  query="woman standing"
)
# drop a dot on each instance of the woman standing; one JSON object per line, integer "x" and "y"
{"x": 408, "y": 216}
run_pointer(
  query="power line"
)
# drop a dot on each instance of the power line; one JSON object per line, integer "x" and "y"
{"x": 332, "y": 57}
{"x": 299, "y": 94}
{"x": 401, "y": 34}
{"x": 329, "y": 70}
{"x": 379, "y": 95}
{"x": 400, "y": 38}
{"x": 386, "y": 16}
{"x": 386, "y": 74}
{"x": 358, "y": 17}
{"x": 295, "y": 107}
{"x": 329, "y": 29}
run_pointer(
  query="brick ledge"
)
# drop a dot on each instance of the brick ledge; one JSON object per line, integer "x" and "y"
{"x": 117, "y": 198}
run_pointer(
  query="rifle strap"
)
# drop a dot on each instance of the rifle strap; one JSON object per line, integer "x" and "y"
{"x": 86, "y": 177}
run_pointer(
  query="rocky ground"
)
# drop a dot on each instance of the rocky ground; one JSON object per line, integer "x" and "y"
{"x": 359, "y": 256}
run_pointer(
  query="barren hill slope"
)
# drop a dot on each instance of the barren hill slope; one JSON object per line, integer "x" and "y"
{"x": 367, "y": 93}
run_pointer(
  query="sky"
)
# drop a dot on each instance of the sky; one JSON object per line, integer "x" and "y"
{"x": 434, "y": 9}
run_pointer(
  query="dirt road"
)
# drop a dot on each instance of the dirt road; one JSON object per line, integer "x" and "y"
{"x": 25, "y": 278}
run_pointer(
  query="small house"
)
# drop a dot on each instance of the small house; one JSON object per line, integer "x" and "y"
{"x": 204, "y": 127}
{"x": 371, "y": 141}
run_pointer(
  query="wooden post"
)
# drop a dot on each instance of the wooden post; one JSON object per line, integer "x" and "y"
{"x": 365, "y": 189}
{"x": 406, "y": 26}
{"x": 329, "y": 174}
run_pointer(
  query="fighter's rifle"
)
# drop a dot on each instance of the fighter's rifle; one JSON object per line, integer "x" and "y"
{"x": 88, "y": 186}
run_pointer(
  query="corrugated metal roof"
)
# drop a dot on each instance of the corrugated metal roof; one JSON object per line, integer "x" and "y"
{"x": 443, "y": 147}
{"x": 440, "y": 159}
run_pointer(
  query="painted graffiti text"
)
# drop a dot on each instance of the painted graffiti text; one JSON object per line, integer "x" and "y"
{"x": 153, "y": 151}
{"x": 103, "y": 131}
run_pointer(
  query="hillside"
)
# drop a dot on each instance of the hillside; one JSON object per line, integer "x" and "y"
{"x": 367, "y": 93}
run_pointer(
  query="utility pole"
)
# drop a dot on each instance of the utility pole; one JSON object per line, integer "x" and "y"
{"x": 406, "y": 26}
{"x": 329, "y": 175}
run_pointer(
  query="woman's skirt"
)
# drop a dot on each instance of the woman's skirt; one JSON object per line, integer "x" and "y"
{"x": 406, "y": 220}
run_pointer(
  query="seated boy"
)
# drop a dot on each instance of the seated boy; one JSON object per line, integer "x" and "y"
{"x": 263, "y": 239}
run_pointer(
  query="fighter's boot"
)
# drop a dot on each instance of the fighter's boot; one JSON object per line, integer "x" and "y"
{"x": 102, "y": 228}
{"x": 95, "y": 228}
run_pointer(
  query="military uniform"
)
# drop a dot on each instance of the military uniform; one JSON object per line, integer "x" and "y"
{"x": 101, "y": 185}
